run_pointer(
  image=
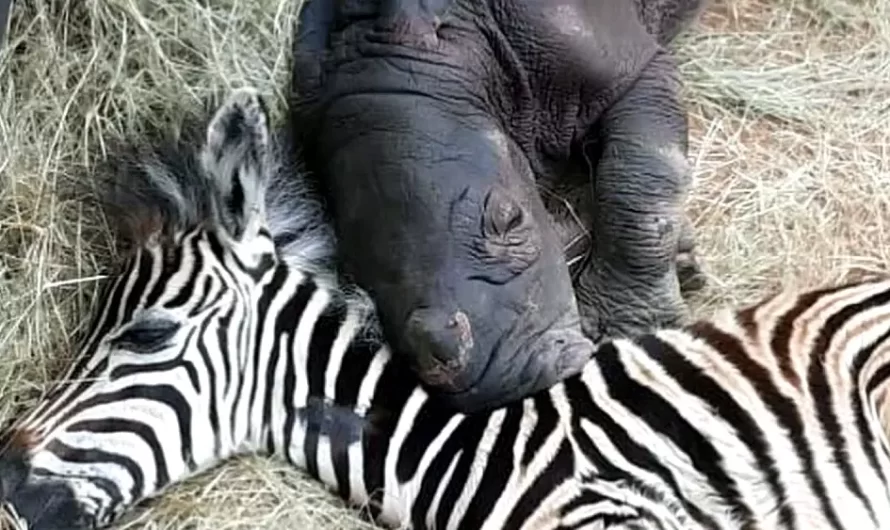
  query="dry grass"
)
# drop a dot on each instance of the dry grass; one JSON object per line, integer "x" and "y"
{"x": 790, "y": 105}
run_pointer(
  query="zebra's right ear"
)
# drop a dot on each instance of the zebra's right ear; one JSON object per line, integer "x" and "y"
{"x": 236, "y": 158}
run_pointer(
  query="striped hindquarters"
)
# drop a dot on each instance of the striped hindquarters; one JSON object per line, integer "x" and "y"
{"x": 770, "y": 417}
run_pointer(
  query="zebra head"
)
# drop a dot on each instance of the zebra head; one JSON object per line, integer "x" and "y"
{"x": 153, "y": 395}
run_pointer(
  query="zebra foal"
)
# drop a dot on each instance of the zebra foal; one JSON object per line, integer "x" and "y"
{"x": 225, "y": 332}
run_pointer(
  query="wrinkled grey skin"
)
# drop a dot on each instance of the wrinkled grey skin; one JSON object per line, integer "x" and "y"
{"x": 435, "y": 127}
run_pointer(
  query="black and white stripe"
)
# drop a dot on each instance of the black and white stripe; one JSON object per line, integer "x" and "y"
{"x": 771, "y": 417}
{"x": 204, "y": 347}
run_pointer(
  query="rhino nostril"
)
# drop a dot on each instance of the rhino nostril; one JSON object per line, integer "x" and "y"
{"x": 441, "y": 344}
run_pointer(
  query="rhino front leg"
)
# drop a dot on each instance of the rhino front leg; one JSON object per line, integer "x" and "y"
{"x": 642, "y": 240}
{"x": 689, "y": 272}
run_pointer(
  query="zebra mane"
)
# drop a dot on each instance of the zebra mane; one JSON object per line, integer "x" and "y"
{"x": 156, "y": 187}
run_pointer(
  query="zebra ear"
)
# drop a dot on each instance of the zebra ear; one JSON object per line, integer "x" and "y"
{"x": 236, "y": 158}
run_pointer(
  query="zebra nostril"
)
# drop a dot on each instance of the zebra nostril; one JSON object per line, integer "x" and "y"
{"x": 50, "y": 504}
{"x": 13, "y": 467}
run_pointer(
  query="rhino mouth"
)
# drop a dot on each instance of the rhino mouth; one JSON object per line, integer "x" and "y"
{"x": 517, "y": 365}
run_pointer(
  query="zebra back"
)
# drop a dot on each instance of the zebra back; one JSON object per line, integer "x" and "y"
{"x": 772, "y": 416}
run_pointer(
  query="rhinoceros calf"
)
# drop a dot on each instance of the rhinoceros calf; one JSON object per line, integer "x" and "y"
{"x": 433, "y": 125}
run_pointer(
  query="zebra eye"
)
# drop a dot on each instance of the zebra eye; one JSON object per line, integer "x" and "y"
{"x": 147, "y": 336}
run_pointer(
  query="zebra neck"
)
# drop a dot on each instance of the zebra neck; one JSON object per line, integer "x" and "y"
{"x": 335, "y": 398}
{"x": 341, "y": 407}
{"x": 312, "y": 353}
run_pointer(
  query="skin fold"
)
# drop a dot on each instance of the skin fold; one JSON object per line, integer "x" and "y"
{"x": 467, "y": 148}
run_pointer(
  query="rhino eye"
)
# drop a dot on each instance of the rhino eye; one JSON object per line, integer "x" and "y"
{"x": 147, "y": 336}
{"x": 503, "y": 215}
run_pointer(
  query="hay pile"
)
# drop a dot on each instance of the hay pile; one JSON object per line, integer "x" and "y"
{"x": 790, "y": 111}
{"x": 790, "y": 106}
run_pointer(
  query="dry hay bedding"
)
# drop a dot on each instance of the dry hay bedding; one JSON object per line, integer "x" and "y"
{"x": 789, "y": 102}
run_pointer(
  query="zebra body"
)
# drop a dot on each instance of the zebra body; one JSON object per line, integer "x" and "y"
{"x": 769, "y": 417}
{"x": 221, "y": 336}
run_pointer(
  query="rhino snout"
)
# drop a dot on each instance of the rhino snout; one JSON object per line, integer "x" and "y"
{"x": 442, "y": 343}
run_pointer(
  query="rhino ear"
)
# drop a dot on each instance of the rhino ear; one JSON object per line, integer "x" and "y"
{"x": 311, "y": 36}
{"x": 236, "y": 158}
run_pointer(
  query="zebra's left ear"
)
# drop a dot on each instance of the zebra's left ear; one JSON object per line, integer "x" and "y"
{"x": 236, "y": 158}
